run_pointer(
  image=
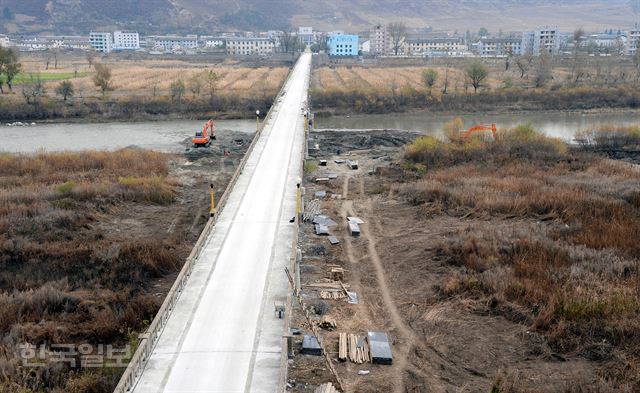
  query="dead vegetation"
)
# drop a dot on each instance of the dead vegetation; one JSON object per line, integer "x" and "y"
{"x": 512, "y": 84}
{"x": 511, "y": 264}
{"x": 88, "y": 248}
{"x": 575, "y": 278}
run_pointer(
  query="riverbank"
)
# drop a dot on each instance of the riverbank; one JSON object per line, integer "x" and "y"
{"x": 90, "y": 243}
{"x": 506, "y": 267}
{"x": 135, "y": 109}
{"x": 337, "y": 102}
{"x": 560, "y": 124}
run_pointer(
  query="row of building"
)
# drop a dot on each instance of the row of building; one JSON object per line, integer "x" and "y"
{"x": 543, "y": 40}
{"x": 379, "y": 42}
{"x": 107, "y": 42}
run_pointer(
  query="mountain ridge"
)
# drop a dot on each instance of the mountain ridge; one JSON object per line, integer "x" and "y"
{"x": 206, "y": 16}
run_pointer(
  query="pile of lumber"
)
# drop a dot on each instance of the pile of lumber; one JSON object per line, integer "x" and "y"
{"x": 326, "y": 388}
{"x": 353, "y": 347}
{"x": 327, "y": 285}
{"x": 332, "y": 295}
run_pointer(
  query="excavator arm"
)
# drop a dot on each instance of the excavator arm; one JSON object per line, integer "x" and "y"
{"x": 466, "y": 136}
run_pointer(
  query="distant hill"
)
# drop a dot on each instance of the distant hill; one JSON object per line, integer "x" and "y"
{"x": 202, "y": 16}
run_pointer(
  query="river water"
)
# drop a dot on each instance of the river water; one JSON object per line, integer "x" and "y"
{"x": 557, "y": 124}
{"x": 169, "y": 136}
{"x": 166, "y": 136}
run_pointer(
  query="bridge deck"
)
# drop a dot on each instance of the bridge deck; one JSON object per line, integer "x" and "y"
{"x": 223, "y": 335}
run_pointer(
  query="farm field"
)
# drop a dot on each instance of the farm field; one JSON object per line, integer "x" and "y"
{"x": 151, "y": 77}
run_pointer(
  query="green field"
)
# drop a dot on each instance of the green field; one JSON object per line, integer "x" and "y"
{"x": 24, "y": 78}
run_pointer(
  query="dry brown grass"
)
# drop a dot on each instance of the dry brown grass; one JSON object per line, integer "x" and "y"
{"x": 578, "y": 275}
{"x": 140, "y": 80}
{"x": 144, "y": 77}
{"x": 63, "y": 279}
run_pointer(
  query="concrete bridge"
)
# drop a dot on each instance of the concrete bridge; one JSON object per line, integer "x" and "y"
{"x": 217, "y": 330}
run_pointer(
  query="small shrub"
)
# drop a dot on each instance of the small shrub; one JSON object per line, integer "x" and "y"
{"x": 66, "y": 188}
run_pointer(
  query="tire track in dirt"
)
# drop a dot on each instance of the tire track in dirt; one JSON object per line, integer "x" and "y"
{"x": 400, "y": 362}
{"x": 409, "y": 338}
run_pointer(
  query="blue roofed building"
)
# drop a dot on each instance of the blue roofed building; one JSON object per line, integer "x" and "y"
{"x": 343, "y": 45}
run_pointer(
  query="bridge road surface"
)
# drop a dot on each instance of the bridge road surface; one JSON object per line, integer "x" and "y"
{"x": 223, "y": 334}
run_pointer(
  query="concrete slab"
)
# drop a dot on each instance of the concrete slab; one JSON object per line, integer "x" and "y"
{"x": 222, "y": 335}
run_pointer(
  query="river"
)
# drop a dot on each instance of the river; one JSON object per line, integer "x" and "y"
{"x": 166, "y": 136}
{"x": 557, "y": 124}
{"x": 169, "y": 136}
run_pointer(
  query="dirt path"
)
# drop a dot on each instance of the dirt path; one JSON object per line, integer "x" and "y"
{"x": 408, "y": 338}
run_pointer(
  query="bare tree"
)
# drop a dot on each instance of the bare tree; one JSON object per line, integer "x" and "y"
{"x": 65, "y": 89}
{"x": 9, "y": 66}
{"x": 576, "y": 65}
{"x": 211, "y": 80}
{"x": 477, "y": 73}
{"x": 289, "y": 42}
{"x": 544, "y": 71}
{"x": 524, "y": 64}
{"x": 33, "y": 90}
{"x": 102, "y": 78}
{"x": 397, "y": 32}
{"x": 507, "y": 59}
{"x": 445, "y": 84}
{"x": 429, "y": 78}
{"x": 177, "y": 91}
{"x": 195, "y": 85}
{"x": 91, "y": 56}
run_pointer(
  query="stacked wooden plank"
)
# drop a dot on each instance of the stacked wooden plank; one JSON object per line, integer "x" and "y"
{"x": 353, "y": 347}
{"x": 342, "y": 347}
{"x": 326, "y": 388}
{"x": 332, "y": 295}
{"x": 327, "y": 285}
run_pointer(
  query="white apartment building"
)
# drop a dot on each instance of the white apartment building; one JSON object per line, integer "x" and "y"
{"x": 126, "y": 40}
{"x": 173, "y": 42}
{"x": 212, "y": 42}
{"x": 499, "y": 47}
{"x": 4, "y": 40}
{"x": 250, "y": 46}
{"x": 437, "y": 47}
{"x": 542, "y": 40}
{"x": 305, "y": 34}
{"x": 380, "y": 40}
{"x": 101, "y": 41}
{"x": 631, "y": 45}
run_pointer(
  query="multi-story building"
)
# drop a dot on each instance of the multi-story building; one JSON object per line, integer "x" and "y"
{"x": 4, "y": 41}
{"x": 631, "y": 45}
{"x": 101, "y": 41}
{"x": 380, "y": 40}
{"x": 173, "y": 42}
{"x": 306, "y": 36}
{"x": 499, "y": 47}
{"x": 343, "y": 45}
{"x": 546, "y": 40}
{"x": 126, "y": 40}
{"x": 250, "y": 46}
{"x": 208, "y": 41}
{"x": 437, "y": 47}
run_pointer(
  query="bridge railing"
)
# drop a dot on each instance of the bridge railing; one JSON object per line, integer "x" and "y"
{"x": 148, "y": 340}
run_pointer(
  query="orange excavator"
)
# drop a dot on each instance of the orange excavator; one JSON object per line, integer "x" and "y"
{"x": 204, "y": 137}
{"x": 466, "y": 135}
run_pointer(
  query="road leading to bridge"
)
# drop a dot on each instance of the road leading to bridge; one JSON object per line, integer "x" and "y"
{"x": 223, "y": 335}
